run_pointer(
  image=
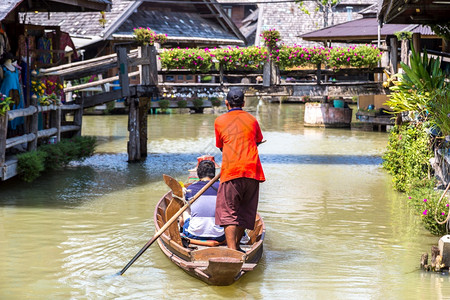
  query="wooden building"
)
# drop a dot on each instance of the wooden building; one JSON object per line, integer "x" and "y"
{"x": 186, "y": 24}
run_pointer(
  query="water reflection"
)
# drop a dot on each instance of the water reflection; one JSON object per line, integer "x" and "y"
{"x": 335, "y": 227}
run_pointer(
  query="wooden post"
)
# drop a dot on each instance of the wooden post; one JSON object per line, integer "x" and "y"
{"x": 122, "y": 63}
{"x": 33, "y": 124}
{"x": 404, "y": 51}
{"x": 144, "y": 70}
{"x": 221, "y": 74}
{"x": 319, "y": 74}
{"x": 133, "y": 127}
{"x": 416, "y": 41}
{"x": 55, "y": 122}
{"x": 154, "y": 53}
{"x": 394, "y": 54}
{"x": 274, "y": 73}
{"x": 267, "y": 73}
{"x": 3, "y": 133}
{"x": 78, "y": 115}
{"x": 144, "y": 106}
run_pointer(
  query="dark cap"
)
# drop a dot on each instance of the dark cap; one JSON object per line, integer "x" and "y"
{"x": 235, "y": 97}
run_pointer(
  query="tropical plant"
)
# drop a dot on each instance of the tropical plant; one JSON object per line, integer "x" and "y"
{"x": 417, "y": 90}
{"x": 439, "y": 110}
{"x": 5, "y": 104}
{"x": 403, "y": 35}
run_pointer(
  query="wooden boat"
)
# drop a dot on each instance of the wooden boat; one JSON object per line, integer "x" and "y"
{"x": 215, "y": 265}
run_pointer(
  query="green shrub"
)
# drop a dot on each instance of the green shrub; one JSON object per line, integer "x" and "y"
{"x": 55, "y": 156}
{"x": 85, "y": 146}
{"x": 216, "y": 101}
{"x": 407, "y": 157}
{"x": 31, "y": 164}
{"x": 182, "y": 103}
{"x": 164, "y": 104}
{"x": 197, "y": 102}
{"x": 426, "y": 204}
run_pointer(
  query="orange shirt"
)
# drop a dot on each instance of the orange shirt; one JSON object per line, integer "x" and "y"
{"x": 237, "y": 133}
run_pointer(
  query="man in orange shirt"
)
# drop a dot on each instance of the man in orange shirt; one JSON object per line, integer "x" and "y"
{"x": 237, "y": 135}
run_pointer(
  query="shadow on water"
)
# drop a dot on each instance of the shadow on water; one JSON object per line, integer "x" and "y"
{"x": 107, "y": 173}
{"x": 322, "y": 159}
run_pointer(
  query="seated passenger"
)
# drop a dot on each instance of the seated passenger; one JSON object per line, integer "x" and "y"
{"x": 200, "y": 224}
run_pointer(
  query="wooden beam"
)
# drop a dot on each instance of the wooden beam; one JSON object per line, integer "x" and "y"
{"x": 122, "y": 64}
{"x": 67, "y": 128}
{"x": 70, "y": 107}
{"x": 97, "y": 83}
{"x": 99, "y": 99}
{"x": 91, "y": 5}
{"x": 47, "y": 132}
{"x": 3, "y": 134}
{"x": 23, "y": 112}
{"x": 26, "y": 138}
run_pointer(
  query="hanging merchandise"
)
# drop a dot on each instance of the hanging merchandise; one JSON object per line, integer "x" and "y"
{"x": 22, "y": 51}
{"x": 11, "y": 87}
{"x": 45, "y": 46}
{"x": 4, "y": 43}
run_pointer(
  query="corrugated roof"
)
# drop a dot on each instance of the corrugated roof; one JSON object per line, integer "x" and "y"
{"x": 362, "y": 29}
{"x": 86, "y": 23}
{"x": 6, "y": 6}
{"x": 126, "y": 15}
{"x": 176, "y": 24}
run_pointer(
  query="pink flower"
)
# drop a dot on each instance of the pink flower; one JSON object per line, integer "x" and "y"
{"x": 443, "y": 213}
{"x": 425, "y": 212}
{"x": 424, "y": 200}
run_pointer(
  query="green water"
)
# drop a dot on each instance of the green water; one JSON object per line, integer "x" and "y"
{"x": 335, "y": 227}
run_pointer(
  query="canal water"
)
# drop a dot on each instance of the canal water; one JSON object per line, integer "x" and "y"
{"x": 335, "y": 227}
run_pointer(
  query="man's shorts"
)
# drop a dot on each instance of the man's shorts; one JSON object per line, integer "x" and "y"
{"x": 237, "y": 202}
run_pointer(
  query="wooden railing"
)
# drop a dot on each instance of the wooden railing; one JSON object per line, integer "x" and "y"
{"x": 32, "y": 134}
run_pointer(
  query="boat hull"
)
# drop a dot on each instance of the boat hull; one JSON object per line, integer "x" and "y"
{"x": 214, "y": 265}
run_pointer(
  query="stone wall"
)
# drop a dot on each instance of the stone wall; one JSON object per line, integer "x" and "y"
{"x": 292, "y": 22}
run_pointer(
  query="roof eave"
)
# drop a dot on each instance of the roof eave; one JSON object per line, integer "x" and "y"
{"x": 178, "y": 39}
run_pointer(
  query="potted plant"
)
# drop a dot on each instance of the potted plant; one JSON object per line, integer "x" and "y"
{"x": 5, "y": 104}
{"x": 148, "y": 37}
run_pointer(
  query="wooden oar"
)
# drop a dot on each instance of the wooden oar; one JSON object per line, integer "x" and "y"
{"x": 173, "y": 219}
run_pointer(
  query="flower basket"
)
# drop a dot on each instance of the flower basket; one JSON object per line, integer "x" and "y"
{"x": 148, "y": 37}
